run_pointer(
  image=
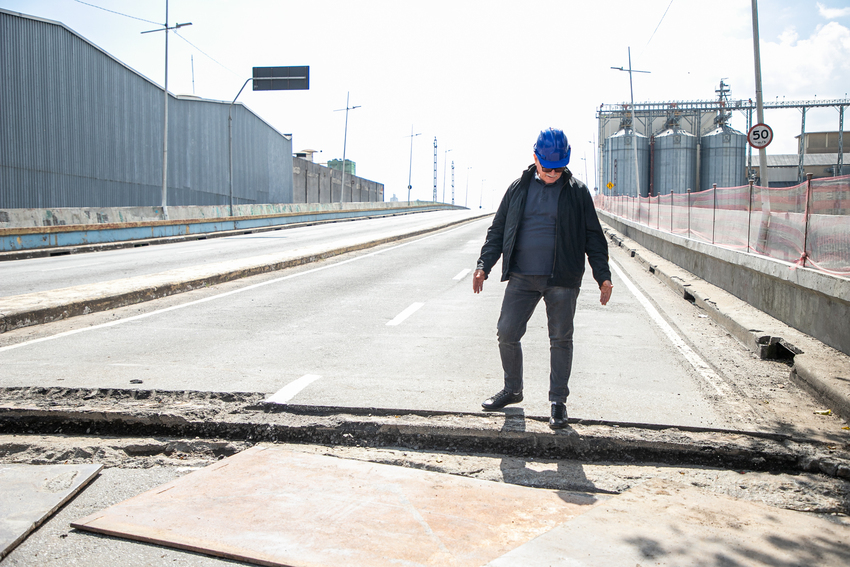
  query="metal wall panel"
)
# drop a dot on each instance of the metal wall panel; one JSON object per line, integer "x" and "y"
{"x": 80, "y": 129}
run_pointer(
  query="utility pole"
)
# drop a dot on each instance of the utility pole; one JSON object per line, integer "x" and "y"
{"x": 634, "y": 121}
{"x": 435, "y": 169}
{"x": 453, "y": 182}
{"x": 344, "y": 142}
{"x": 593, "y": 145}
{"x": 759, "y": 101}
{"x": 410, "y": 170}
{"x": 445, "y": 158}
{"x": 466, "y": 197}
{"x": 166, "y": 29}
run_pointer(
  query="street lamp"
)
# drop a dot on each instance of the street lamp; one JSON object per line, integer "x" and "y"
{"x": 344, "y": 140}
{"x": 265, "y": 79}
{"x": 410, "y": 170}
{"x": 595, "y": 171}
{"x": 586, "y": 180}
{"x": 445, "y": 155}
{"x": 481, "y": 196}
{"x": 166, "y": 29}
{"x": 466, "y": 197}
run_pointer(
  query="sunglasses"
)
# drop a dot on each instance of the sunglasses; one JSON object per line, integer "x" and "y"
{"x": 548, "y": 170}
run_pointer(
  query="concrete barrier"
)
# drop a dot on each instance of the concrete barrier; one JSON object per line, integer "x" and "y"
{"x": 44, "y": 229}
{"x": 812, "y": 302}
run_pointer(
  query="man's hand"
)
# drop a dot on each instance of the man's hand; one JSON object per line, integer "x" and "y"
{"x": 605, "y": 292}
{"x": 478, "y": 281}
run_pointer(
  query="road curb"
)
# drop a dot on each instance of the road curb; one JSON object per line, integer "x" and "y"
{"x": 818, "y": 368}
{"x": 45, "y": 307}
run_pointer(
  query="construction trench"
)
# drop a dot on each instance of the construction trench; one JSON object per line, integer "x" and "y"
{"x": 134, "y": 429}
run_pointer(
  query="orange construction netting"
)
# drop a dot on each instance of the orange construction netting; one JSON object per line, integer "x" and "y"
{"x": 807, "y": 224}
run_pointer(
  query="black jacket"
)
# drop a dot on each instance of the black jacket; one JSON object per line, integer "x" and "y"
{"x": 578, "y": 233}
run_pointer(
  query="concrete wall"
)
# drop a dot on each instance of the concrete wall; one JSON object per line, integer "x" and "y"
{"x": 46, "y": 230}
{"x": 812, "y": 302}
{"x": 314, "y": 183}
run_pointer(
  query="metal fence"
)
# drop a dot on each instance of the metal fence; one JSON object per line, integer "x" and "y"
{"x": 807, "y": 224}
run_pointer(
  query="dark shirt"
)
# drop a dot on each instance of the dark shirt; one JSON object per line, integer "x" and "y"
{"x": 535, "y": 244}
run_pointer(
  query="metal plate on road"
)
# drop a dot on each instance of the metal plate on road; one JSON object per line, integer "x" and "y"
{"x": 272, "y": 506}
{"x": 29, "y": 494}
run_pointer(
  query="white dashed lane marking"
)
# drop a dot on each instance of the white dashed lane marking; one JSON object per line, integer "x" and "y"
{"x": 404, "y": 314}
{"x": 292, "y": 389}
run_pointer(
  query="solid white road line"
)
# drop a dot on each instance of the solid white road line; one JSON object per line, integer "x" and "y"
{"x": 72, "y": 267}
{"x": 292, "y": 389}
{"x": 404, "y": 314}
{"x": 222, "y": 295}
{"x": 461, "y": 275}
{"x": 702, "y": 368}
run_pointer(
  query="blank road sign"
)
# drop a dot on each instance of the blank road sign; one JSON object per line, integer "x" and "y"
{"x": 281, "y": 78}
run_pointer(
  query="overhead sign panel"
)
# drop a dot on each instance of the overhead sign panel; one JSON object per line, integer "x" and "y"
{"x": 281, "y": 78}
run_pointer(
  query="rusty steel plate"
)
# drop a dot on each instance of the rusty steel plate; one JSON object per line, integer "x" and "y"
{"x": 272, "y": 506}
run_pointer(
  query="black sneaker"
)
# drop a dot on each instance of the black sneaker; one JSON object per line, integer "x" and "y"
{"x": 502, "y": 399}
{"x": 559, "y": 416}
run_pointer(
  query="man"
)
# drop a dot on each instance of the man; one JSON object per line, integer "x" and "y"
{"x": 545, "y": 225}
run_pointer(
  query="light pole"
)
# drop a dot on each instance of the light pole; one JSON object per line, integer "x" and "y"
{"x": 165, "y": 28}
{"x": 481, "y": 196}
{"x": 595, "y": 183}
{"x": 445, "y": 156}
{"x": 466, "y": 196}
{"x": 410, "y": 170}
{"x": 344, "y": 141}
{"x": 265, "y": 79}
{"x": 634, "y": 121}
{"x": 230, "y": 143}
{"x": 584, "y": 159}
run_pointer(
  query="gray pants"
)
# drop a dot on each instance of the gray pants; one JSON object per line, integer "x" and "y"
{"x": 522, "y": 295}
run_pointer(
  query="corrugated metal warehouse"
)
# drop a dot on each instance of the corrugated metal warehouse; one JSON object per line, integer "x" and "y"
{"x": 78, "y": 128}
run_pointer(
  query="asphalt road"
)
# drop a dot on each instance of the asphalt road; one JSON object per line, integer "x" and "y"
{"x": 393, "y": 327}
{"x": 41, "y": 274}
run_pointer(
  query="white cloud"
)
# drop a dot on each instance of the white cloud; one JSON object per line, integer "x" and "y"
{"x": 789, "y": 36}
{"x": 832, "y": 13}
{"x": 817, "y": 65}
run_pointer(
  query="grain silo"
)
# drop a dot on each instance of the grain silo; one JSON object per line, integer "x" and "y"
{"x": 619, "y": 163}
{"x": 674, "y": 161}
{"x": 723, "y": 158}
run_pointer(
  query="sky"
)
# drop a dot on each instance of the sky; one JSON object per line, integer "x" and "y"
{"x": 482, "y": 77}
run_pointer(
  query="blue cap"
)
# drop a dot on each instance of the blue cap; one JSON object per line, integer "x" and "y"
{"x": 552, "y": 149}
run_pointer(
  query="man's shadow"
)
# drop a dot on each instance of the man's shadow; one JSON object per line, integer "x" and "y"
{"x": 567, "y": 476}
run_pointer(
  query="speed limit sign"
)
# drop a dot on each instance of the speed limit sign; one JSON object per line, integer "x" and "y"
{"x": 760, "y": 136}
